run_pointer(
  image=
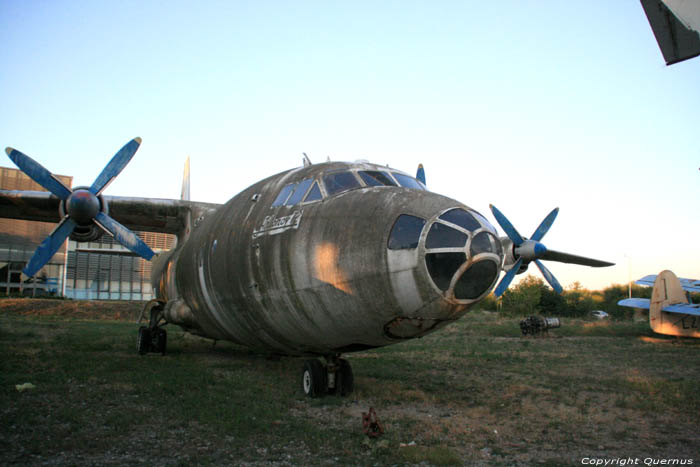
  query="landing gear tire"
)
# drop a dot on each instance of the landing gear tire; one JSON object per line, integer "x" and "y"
{"x": 344, "y": 379}
{"x": 143, "y": 341}
{"x": 160, "y": 340}
{"x": 152, "y": 338}
{"x": 314, "y": 379}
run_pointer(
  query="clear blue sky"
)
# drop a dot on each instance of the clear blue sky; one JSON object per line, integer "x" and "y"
{"x": 526, "y": 105}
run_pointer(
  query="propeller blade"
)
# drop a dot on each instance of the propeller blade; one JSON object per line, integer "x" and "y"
{"x": 549, "y": 277}
{"x": 551, "y": 255}
{"x": 123, "y": 235}
{"x": 507, "y": 227}
{"x": 38, "y": 173}
{"x": 507, "y": 279}
{"x": 115, "y": 166}
{"x": 420, "y": 174}
{"x": 49, "y": 246}
{"x": 545, "y": 225}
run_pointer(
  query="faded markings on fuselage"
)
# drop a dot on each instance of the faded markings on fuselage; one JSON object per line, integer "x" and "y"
{"x": 273, "y": 225}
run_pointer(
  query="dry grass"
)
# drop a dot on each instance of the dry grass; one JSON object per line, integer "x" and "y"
{"x": 474, "y": 394}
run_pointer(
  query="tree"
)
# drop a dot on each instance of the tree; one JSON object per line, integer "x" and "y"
{"x": 523, "y": 299}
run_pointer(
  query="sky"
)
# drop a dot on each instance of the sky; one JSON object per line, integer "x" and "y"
{"x": 524, "y": 105}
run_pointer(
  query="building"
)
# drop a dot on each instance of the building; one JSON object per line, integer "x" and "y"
{"x": 100, "y": 270}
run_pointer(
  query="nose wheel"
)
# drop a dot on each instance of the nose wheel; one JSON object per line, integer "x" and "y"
{"x": 152, "y": 338}
{"x": 333, "y": 377}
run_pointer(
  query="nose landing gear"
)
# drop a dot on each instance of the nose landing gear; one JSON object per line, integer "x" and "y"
{"x": 333, "y": 377}
{"x": 152, "y": 338}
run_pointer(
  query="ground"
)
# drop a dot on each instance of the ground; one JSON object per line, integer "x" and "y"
{"x": 475, "y": 393}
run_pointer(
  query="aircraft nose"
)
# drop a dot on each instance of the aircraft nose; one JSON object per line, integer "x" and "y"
{"x": 458, "y": 250}
{"x": 463, "y": 254}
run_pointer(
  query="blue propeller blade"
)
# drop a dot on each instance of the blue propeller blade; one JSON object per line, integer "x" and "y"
{"x": 49, "y": 246}
{"x": 115, "y": 166}
{"x": 420, "y": 174}
{"x": 38, "y": 173}
{"x": 123, "y": 235}
{"x": 545, "y": 225}
{"x": 507, "y": 227}
{"x": 507, "y": 279}
{"x": 549, "y": 276}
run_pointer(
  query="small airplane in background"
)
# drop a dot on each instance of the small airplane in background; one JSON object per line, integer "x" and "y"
{"x": 670, "y": 309}
{"x": 320, "y": 260}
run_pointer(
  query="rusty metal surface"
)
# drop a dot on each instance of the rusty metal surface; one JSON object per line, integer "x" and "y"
{"x": 370, "y": 424}
{"x": 311, "y": 278}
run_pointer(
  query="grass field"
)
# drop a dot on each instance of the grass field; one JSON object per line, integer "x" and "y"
{"x": 475, "y": 393}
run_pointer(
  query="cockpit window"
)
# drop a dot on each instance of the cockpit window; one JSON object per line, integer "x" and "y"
{"x": 284, "y": 194}
{"x": 376, "y": 178}
{"x": 314, "y": 194}
{"x": 408, "y": 182}
{"x": 405, "y": 233}
{"x": 442, "y": 236}
{"x": 299, "y": 192}
{"x": 339, "y": 182}
{"x": 476, "y": 280}
{"x": 461, "y": 218}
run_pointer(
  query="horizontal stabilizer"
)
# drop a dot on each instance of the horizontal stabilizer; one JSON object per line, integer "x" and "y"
{"x": 635, "y": 303}
{"x": 683, "y": 308}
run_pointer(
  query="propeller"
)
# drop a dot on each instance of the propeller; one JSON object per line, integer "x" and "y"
{"x": 527, "y": 250}
{"x": 83, "y": 206}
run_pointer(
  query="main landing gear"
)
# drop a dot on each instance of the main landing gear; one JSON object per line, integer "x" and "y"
{"x": 333, "y": 377}
{"x": 152, "y": 338}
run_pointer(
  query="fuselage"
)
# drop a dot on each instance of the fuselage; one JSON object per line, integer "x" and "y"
{"x": 330, "y": 258}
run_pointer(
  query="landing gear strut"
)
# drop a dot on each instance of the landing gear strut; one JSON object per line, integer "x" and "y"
{"x": 333, "y": 377}
{"x": 152, "y": 338}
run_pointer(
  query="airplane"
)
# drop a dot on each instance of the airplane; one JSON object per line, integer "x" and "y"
{"x": 670, "y": 310}
{"x": 676, "y": 26}
{"x": 320, "y": 260}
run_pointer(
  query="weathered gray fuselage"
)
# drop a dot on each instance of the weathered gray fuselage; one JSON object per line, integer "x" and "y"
{"x": 319, "y": 277}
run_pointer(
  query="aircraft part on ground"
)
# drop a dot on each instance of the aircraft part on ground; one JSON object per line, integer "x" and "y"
{"x": 535, "y": 325}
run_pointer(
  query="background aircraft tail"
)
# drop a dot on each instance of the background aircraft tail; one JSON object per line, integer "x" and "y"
{"x": 667, "y": 291}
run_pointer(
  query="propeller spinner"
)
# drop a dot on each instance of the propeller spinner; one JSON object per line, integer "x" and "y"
{"x": 82, "y": 206}
{"x": 527, "y": 250}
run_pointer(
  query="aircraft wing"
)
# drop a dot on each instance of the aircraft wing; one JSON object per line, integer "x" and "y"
{"x": 689, "y": 285}
{"x": 635, "y": 303}
{"x": 675, "y": 24}
{"x": 144, "y": 214}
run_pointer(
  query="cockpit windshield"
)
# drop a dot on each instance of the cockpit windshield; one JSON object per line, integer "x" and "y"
{"x": 309, "y": 190}
{"x": 376, "y": 178}
{"x": 339, "y": 182}
{"x": 408, "y": 182}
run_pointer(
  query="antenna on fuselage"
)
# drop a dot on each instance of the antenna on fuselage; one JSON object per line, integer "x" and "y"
{"x": 307, "y": 161}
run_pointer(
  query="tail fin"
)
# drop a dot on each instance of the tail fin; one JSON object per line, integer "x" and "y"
{"x": 667, "y": 291}
{"x": 185, "y": 193}
{"x": 420, "y": 174}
